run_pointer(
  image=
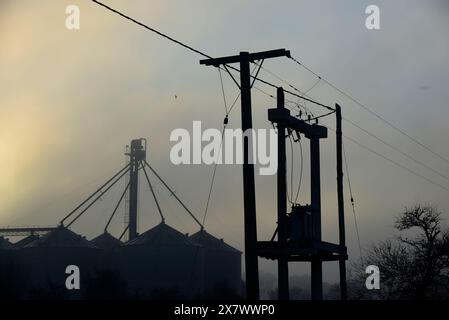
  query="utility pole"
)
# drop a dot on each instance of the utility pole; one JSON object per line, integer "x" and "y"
{"x": 315, "y": 199}
{"x": 283, "y": 286}
{"x": 249, "y": 196}
{"x": 341, "y": 205}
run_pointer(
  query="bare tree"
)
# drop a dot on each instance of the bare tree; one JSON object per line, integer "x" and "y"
{"x": 415, "y": 265}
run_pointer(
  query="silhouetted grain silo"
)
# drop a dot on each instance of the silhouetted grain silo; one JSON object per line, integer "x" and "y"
{"x": 23, "y": 242}
{"x": 109, "y": 255}
{"x": 5, "y": 244}
{"x": 222, "y": 266}
{"x": 9, "y": 286}
{"x": 6, "y": 251}
{"x": 47, "y": 258}
{"x": 106, "y": 241}
{"x": 163, "y": 263}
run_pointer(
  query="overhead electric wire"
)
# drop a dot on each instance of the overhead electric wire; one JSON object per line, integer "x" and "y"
{"x": 302, "y": 95}
{"x": 223, "y": 91}
{"x": 352, "y": 204}
{"x": 313, "y": 86}
{"x": 397, "y": 149}
{"x": 236, "y": 98}
{"x": 392, "y": 161}
{"x": 366, "y": 108}
{"x": 214, "y": 171}
{"x": 291, "y": 169}
{"x": 274, "y": 98}
{"x": 300, "y": 171}
{"x": 199, "y": 52}
{"x": 152, "y": 29}
{"x": 307, "y": 110}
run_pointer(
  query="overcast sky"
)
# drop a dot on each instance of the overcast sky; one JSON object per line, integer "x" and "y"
{"x": 71, "y": 100}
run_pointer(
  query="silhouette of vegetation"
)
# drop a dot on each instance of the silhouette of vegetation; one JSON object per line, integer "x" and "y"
{"x": 414, "y": 265}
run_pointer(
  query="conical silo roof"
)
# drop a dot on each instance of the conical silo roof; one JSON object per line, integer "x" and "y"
{"x": 106, "y": 241}
{"x": 162, "y": 235}
{"x": 5, "y": 244}
{"x": 61, "y": 237}
{"x": 209, "y": 241}
{"x": 25, "y": 241}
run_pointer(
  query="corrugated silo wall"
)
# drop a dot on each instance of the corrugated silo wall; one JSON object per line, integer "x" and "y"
{"x": 222, "y": 271}
{"x": 163, "y": 272}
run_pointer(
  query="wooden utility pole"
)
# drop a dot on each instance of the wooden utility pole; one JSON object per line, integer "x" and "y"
{"x": 315, "y": 199}
{"x": 282, "y": 203}
{"x": 249, "y": 196}
{"x": 341, "y": 205}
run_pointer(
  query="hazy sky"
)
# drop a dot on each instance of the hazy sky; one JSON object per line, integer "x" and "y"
{"x": 71, "y": 100}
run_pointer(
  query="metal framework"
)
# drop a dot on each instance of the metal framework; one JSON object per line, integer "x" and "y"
{"x": 299, "y": 231}
{"x": 25, "y": 231}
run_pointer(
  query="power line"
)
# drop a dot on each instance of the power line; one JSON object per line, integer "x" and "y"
{"x": 236, "y": 98}
{"x": 307, "y": 111}
{"x": 301, "y": 94}
{"x": 152, "y": 29}
{"x": 397, "y": 149}
{"x": 200, "y": 52}
{"x": 275, "y": 75}
{"x": 392, "y": 161}
{"x": 300, "y": 171}
{"x": 292, "y": 93}
{"x": 313, "y": 86}
{"x": 352, "y": 204}
{"x": 223, "y": 92}
{"x": 291, "y": 169}
{"x": 372, "y": 112}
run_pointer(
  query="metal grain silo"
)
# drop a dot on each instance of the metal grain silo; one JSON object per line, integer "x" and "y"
{"x": 6, "y": 251}
{"x": 106, "y": 241}
{"x": 23, "y": 242}
{"x": 47, "y": 258}
{"x": 109, "y": 255}
{"x": 5, "y": 244}
{"x": 9, "y": 282}
{"x": 163, "y": 263}
{"x": 222, "y": 266}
